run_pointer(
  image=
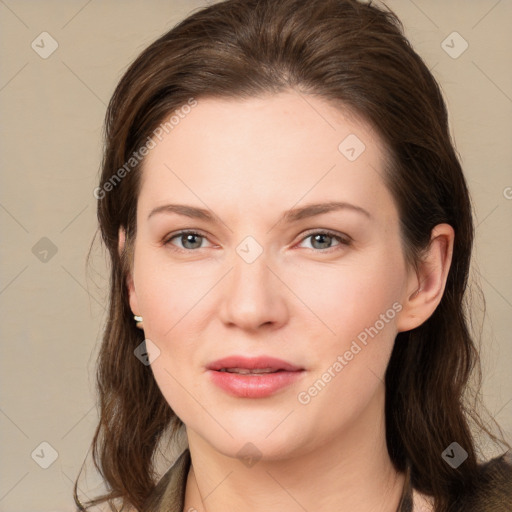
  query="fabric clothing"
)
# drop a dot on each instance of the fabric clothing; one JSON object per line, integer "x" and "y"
{"x": 493, "y": 494}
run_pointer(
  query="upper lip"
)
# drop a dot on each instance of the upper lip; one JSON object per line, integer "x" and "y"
{"x": 251, "y": 363}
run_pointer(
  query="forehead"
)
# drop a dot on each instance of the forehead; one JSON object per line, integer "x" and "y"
{"x": 264, "y": 151}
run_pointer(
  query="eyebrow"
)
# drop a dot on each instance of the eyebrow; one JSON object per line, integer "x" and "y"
{"x": 292, "y": 215}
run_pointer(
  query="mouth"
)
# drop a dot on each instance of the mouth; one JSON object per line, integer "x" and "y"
{"x": 252, "y": 365}
{"x": 258, "y": 377}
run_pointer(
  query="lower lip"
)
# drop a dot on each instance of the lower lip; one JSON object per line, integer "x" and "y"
{"x": 253, "y": 386}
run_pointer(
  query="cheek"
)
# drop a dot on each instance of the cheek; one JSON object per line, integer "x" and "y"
{"x": 168, "y": 293}
{"x": 171, "y": 298}
{"x": 350, "y": 364}
{"x": 344, "y": 300}
{"x": 358, "y": 306}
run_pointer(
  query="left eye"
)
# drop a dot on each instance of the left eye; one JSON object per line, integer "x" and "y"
{"x": 321, "y": 238}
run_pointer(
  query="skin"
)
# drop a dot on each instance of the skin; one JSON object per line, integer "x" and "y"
{"x": 247, "y": 162}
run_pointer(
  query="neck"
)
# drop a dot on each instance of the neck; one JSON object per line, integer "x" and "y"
{"x": 352, "y": 471}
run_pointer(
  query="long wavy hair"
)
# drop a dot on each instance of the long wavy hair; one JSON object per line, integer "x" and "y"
{"x": 354, "y": 55}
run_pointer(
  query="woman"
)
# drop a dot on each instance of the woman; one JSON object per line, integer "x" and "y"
{"x": 290, "y": 235}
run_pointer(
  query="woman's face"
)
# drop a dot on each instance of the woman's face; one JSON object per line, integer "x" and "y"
{"x": 267, "y": 275}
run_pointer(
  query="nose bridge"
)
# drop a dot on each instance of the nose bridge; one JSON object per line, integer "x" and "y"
{"x": 253, "y": 296}
{"x": 251, "y": 271}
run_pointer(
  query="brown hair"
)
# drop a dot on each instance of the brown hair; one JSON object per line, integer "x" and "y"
{"x": 356, "y": 56}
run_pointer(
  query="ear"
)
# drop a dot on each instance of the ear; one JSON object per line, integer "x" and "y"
{"x": 129, "y": 278}
{"x": 426, "y": 284}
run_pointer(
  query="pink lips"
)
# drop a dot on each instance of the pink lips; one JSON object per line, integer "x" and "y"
{"x": 268, "y": 376}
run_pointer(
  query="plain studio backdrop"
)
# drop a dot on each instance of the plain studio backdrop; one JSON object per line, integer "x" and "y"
{"x": 60, "y": 63}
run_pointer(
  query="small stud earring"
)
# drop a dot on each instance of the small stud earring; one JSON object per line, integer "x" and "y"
{"x": 138, "y": 320}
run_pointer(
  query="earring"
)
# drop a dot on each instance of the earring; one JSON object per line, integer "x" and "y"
{"x": 138, "y": 320}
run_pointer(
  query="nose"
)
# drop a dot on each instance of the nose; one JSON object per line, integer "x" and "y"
{"x": 253, "y": 296}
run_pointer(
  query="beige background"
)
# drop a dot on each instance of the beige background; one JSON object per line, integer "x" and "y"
{"x": 52, "y": 112}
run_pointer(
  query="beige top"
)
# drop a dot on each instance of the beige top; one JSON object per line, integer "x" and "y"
{"x": 493, "y": 495}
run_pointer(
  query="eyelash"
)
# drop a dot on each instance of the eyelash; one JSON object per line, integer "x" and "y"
{"x": 343, "y": 240}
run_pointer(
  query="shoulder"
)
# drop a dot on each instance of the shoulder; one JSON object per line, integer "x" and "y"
{"x": 169, "y": 493}
{"x": 497, "y": 473}
{"x": 492, "y": 493}
{"x": 494, "y": 489}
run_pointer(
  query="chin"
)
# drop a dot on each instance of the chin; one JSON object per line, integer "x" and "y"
{"x": 253, "y": 438}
